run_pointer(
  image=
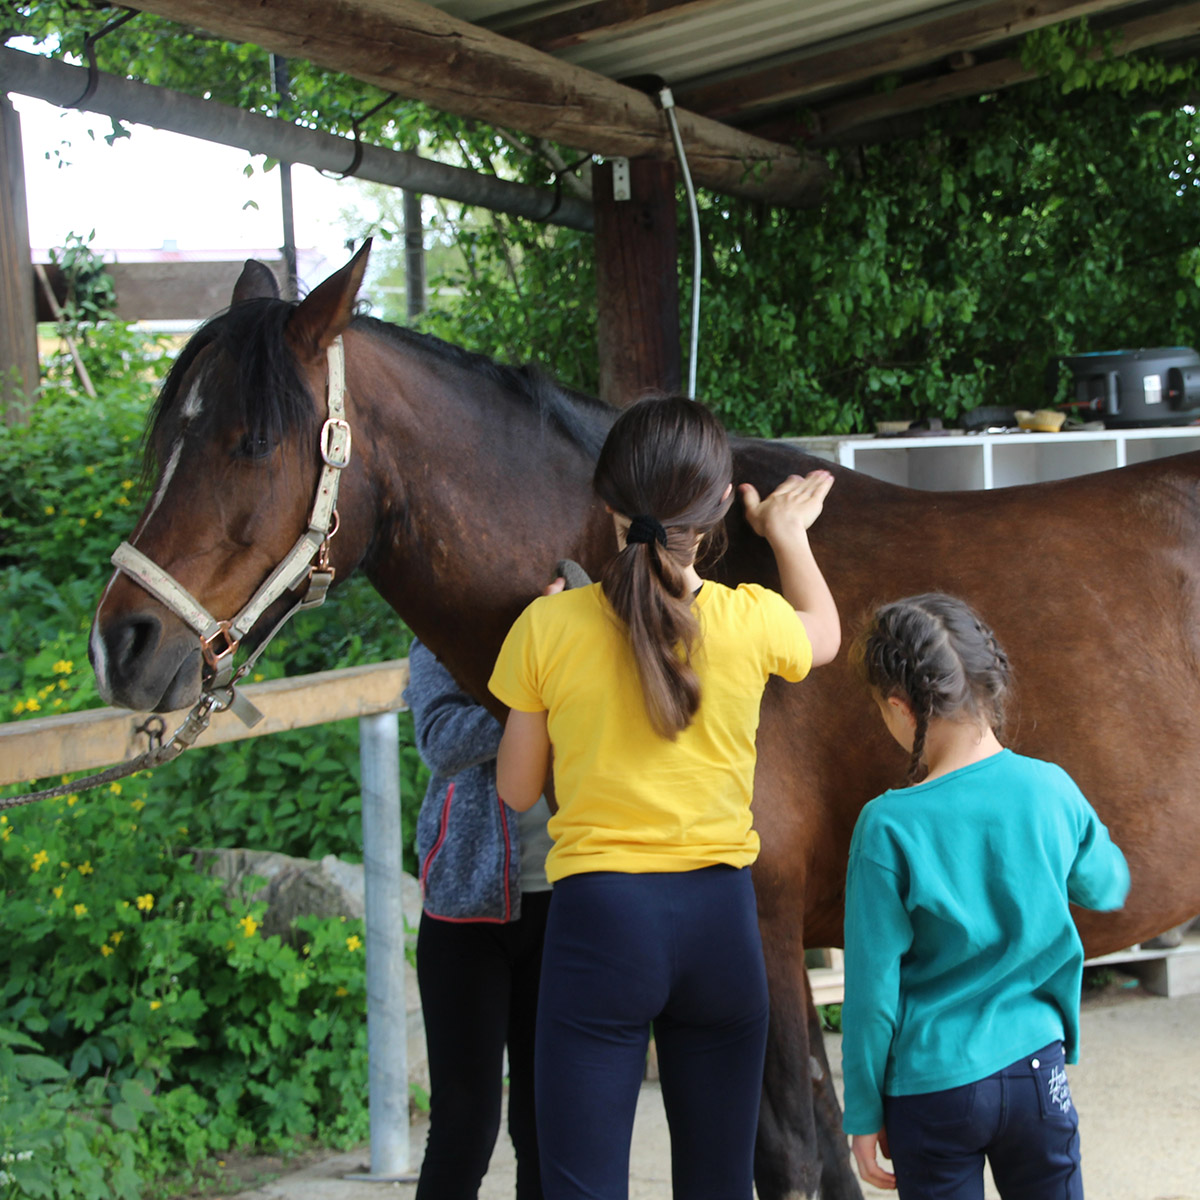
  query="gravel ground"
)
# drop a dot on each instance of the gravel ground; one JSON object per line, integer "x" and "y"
{"x": 1137, "y": 1089}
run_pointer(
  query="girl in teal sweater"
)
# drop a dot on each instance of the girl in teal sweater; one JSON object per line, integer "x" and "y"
{"x": 963, "y": 965}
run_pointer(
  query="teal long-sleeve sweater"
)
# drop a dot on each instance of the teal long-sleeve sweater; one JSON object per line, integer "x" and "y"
{"x": 961, "y": 954}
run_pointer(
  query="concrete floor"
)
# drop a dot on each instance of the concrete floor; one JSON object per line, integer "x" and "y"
{"x": 1137, "y": 1089}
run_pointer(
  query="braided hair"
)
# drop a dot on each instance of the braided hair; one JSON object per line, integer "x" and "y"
{"x": 935, "y": 652}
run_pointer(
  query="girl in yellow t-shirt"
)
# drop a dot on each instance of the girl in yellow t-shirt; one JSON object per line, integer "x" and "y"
{"x": 647, "y": 686}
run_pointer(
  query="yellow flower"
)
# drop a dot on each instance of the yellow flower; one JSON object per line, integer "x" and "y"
{"x": 45, "y": 691}
{"x": 342, "y": 992}
{"x": 106, "y": 949}
{"x": 137, "y": 805}
{"x": 353, "y": 942}
{"x": 82, "y": 522}
{"x": 5, "y": 833}
{"x": 85, "y": 868}
{"x": 63, "y": 685}
{"x": 116, "y": 937}
{"x": 155, "y": 1004}
{"x": 19, "y": 708}
{"x": 40, "y": 859}
{"x": 89, "y": 470}
{"x": 64, "y": 666}
{"x": 123, "y": 501}
{"x": 249, "y": 924}
{"x": 66, "y": 866}
{"x": 115, "y": 788}
{"x": 98, "y": 513}
{"x": 126, "y": 484}
{"x": 49, "y": 510}
{"x": 258, "y": 677}
{"x": 57, "y": 702}
{"x": 146, "y": 902}
{"x": 80, "y": 910}
{"x": 32, "y": 705}
{"x": 72, "y": 799}
{"x": 57, "y": 892}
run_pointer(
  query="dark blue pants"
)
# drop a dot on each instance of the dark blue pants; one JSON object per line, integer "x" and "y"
{"x": 1021, "y": 1118}
{"x": 681, "y": 950}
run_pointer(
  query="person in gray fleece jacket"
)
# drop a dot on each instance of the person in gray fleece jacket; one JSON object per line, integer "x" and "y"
{"x": 479, "y": 945}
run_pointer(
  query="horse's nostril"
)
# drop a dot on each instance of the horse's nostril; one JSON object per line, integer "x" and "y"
{"x": 131, "y": 639}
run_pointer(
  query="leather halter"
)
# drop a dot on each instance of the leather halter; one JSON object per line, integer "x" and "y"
{"x": 219, "y": 639}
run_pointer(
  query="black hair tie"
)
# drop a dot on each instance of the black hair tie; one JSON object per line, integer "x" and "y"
{"x": 645, "y": 529}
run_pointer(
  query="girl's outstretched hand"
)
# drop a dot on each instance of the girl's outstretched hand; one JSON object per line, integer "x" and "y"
{"x": 791, "y": 508}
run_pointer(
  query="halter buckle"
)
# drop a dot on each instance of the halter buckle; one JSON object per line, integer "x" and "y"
{"x": 218, "y": 650}
{"x": 335, "y": 442}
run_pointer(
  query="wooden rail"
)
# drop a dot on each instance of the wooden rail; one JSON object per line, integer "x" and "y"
{"x": 102, "y": 737}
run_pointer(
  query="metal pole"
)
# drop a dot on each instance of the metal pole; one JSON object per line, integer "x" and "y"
{"x": 280, "y": 82}
{"x": 387, "y": 1020}
{"x": 414, "y": 254}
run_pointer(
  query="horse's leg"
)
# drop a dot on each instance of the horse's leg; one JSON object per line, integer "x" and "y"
{"x": 801, "y": 1151}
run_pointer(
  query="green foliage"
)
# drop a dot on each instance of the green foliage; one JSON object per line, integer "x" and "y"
{"x": 154, "y": 1023}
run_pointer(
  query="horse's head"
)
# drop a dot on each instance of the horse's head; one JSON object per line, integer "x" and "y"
{"x": 240, "y": 438}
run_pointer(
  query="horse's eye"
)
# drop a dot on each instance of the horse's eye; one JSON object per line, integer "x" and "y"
{"x": 252, "y": 446}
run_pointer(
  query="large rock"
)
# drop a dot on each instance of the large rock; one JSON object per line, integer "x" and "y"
{"x": 295, "y": 887}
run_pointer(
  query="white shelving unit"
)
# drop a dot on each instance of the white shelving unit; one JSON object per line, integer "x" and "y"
{"x": 968, "y": 462}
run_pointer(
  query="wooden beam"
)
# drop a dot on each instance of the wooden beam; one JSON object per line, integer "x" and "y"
{"x": 19, "y": 374}
{"x": 853, "y": 62}
{"x": 47, "y": 747}
{"x": 637, "y": 282}
{"x": 603, "y": 18}
{"x": 58, "y": 83}
{"x": 416, "y": 50}
{"x": 837, "y": 122}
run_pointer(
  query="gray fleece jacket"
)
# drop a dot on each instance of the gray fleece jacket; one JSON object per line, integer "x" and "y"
{"x": 468, "y": 845}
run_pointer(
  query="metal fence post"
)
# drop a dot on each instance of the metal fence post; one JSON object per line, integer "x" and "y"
{"x": 387, "y": 1019}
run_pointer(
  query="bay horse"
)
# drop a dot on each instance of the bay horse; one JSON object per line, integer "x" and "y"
{"x": 468, "y": 480}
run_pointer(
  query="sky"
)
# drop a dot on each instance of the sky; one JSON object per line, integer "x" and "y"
{"x": 154, "y": 188}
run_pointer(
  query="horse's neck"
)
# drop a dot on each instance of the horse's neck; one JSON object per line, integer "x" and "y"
{"x": 474, "y": 502}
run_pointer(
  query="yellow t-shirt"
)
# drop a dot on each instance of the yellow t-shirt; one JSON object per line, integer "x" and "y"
{"x": 628, "y": 799}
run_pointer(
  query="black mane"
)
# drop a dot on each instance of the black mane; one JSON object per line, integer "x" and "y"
{"x": 269, "y": 398}
{"x": 583, "y": 418}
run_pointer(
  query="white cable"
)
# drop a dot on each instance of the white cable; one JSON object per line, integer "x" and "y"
{"x": 668, "y": 103}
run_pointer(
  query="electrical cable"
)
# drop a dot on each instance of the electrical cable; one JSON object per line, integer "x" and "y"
{"x": 667, "y": 100}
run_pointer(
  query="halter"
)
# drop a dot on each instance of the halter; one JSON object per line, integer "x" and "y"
{"x": 219, "y": 640}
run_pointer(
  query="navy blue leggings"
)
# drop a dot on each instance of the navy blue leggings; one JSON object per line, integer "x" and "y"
{"x": 623, "y": 950}
{"x": 1022, "y": 1119}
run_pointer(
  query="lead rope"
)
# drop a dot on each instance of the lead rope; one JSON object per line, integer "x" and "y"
{"x": 160, "y": 752}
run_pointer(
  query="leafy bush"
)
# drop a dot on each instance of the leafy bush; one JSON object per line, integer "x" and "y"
{"x": 155, "y": 1023}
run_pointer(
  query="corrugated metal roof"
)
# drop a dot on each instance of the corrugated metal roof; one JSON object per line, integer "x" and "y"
{"x": 695, "y": 43}
{"x": 758, "y": 63}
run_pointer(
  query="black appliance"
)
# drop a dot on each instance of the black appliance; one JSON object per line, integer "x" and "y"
{"x": 1130, "y": 388}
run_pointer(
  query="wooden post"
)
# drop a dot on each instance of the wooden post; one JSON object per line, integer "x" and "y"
{"x": 18, "y": 329}
{"x": 637, "y": 281}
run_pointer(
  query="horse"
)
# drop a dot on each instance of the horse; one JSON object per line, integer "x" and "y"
{"x": 469, "y": 479}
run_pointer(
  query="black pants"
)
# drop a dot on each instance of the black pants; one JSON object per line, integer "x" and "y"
{"x": 479, "y": 985}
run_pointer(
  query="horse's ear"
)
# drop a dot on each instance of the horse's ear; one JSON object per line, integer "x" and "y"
{"x": 256, "y": 282}
{"x": 328, "y": 308}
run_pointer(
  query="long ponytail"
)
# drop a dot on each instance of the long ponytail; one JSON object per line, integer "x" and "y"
{"x": 666, "y": 466}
